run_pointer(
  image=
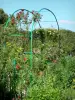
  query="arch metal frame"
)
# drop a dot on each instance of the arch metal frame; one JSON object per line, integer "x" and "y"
{"x": 57, "y": 25}
{"x": 31, "y": 35}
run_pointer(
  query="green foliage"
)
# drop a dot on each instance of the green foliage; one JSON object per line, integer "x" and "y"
{"x": 56, "y": 84}
{"x": 51, "y": 78}
{"x": 44, "y": 90}
{"x": 67, "y": 41}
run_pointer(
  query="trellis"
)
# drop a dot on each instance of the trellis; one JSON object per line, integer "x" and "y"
{"x": 31, "y": 37}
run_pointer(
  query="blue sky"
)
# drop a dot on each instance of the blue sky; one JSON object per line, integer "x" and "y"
{"x": 63, "y": 9}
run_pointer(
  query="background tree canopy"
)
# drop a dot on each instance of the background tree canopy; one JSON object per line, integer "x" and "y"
{"x": 3, "y": 16}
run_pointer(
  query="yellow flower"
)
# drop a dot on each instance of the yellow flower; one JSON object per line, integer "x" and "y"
{"x": 73, "y": 86}
{"x": 20, "y": 48}
{"x": 8, "y": 43}
{"x": 74, "y": 80}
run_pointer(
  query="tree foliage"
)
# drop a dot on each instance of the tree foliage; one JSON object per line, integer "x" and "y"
{"x": 3, "y": 16}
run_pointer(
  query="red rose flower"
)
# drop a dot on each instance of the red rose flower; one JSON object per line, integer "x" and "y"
{"x": 19, "y": 97}
{"x": 54, "y": 61}
{"x": 17, "y": 67}
{"x": 20, "y": 12}
{"x": 25, "y": 59}
{"x": 13, "y": 20}
{"x": 18, "y": 16}
{"x": 24, "y": 38}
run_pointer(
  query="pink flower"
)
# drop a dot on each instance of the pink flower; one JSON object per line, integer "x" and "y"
{"x": 32, "y": 12}
{"x": 13, "y": 98}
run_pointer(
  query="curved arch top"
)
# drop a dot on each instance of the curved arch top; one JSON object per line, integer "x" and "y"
{"x": 56, "y": 22}
{"x": 52, "y": 14}
{"x": 8, "y": 20}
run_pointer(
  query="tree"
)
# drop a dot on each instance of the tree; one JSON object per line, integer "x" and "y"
{"x": 3, "y": 16}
